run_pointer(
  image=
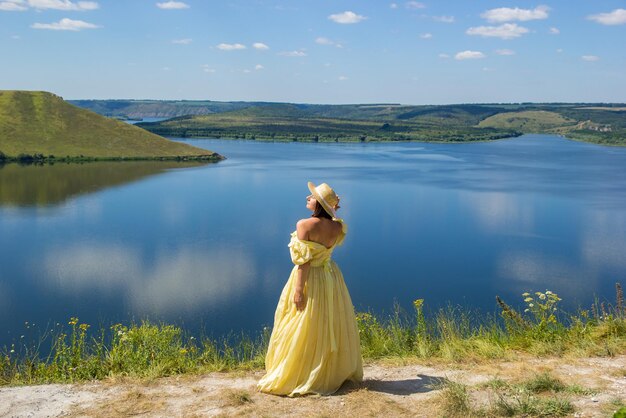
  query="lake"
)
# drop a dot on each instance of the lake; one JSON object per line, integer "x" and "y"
{"x": 205, "y": 246}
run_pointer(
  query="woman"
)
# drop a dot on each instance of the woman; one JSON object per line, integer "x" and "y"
{"x": 314, "y": 347}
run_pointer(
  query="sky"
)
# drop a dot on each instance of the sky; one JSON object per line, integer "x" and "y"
{"x": 323, "y": 51}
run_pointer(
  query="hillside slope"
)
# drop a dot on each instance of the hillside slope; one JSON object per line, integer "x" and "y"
{"x": 43, "y": 123}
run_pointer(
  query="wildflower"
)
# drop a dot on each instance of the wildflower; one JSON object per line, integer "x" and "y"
{"x": 548, "y": 292}
{"x": 21, "y": 336}
{"x": 542, "y": 296}
{"x": 183, "y": 351}
{"x": 528, "y": 300}
{"x": 83, "y": 327}
{"x": 526, "y": 310}
{"x": 525, "y": 294}
{"x": 418, "y": 303}
{"x": 12, "y": 351}
{"x": 73, "y": 321}
{"x": 531, "y": 305}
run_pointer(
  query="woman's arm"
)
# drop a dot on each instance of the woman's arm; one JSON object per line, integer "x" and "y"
{"x": 298, "y": 296}
{"x": 302, "y": 230}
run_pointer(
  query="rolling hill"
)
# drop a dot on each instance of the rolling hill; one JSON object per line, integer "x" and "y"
{"x": 593, "y": 122}
{"x": 42, "y": 126}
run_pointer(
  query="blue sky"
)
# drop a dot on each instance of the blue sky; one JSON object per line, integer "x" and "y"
{"x": 427, "y": 52}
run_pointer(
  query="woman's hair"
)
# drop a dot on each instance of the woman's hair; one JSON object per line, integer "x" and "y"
{"x": 320, "y": 212}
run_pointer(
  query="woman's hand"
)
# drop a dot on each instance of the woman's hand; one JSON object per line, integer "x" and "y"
{"x": 299, "y": 300}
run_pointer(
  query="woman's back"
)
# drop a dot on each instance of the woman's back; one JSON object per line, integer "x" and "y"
{"x": 321, "y": 230}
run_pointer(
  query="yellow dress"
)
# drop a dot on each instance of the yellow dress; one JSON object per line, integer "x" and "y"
{"x": 317, "y": 349}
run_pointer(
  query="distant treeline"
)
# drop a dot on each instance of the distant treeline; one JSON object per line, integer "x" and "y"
{"x": 594, "y": 122}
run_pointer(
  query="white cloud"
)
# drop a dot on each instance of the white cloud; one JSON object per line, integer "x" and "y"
{"x": 16, "y": 37}
{"x": 185, "y": 41}
{"x": 506, "y": 31}
{"x": 63, "y": 5}
{"x": 260, "y": 46}
{"x": 325, "y": 41}
{"x": 559, "y": 50}
{"x": 299, "y": 53}
{"x": 444, "y": 56}
{"x": 590, "y": 58}
{"x": 393, "y": 5}
{"x": 342, "y": 78}
{"x": 246, "y": 71}
{"x": 506, "y": 14}
{"x": 171, "y": 5}
{"x": 616, "y": 17}
{"x": 207, "y": 69}
{"x": 505, "y": 52}
{"x": 426, "y": 35}
{"x": 488, "y": 69}
{"x": 66, "y": 5}
{"x": 469, "y": 55}
{"x": 258, "y": 67}
{"x": 554, "y": 31}
{"x": 166, "y": 69}
{"x": 444, "y": 19}
{"x": 231, "y": 47}
{"x": 13, "y": 6}
{"x": 65, "y": 24}
{"x": 413, "y": 5}
{"x": 347, "y": 17}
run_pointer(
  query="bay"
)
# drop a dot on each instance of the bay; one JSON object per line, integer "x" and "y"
{"x": 204, "y": 246}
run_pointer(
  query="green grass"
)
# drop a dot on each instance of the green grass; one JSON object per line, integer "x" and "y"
{"x": 154, "y": 350}
{"x": 42, "y": 127}
{"x": 542, "y": 395}
{"x": 530, "y": 121}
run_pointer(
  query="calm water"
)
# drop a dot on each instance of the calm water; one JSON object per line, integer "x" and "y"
{"x": 206, "y": 246}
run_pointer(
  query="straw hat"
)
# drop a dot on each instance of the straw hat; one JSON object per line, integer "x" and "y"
{"x": 326, "y": 197}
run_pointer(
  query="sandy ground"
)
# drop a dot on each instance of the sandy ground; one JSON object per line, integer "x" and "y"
{"x": 388, "y": 390}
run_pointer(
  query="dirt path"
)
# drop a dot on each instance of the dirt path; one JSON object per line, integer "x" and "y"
{"x": 410, "y": 390}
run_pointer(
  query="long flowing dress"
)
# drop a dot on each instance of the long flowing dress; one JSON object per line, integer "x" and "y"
{"x": 313, "y": 351}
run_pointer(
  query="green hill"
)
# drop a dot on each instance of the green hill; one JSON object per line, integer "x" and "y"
{"x": 327, "y": 123}
{"x": 603, "y": 123}
{"x": 531, "y": 121}
{"x": 43, "y": 125}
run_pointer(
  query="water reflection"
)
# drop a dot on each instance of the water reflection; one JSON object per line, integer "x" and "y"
{"x": 183, "y": 280}
{"x": 500, "y": 211}
{"x": 604, "y": 239}
{"x": 42, "y": 185}
{"x": 5, "y": 298}
{"x": 455, "y": 223}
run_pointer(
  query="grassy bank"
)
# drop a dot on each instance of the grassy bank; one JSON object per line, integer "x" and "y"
{"x": 452, "y": 335}
{"x": 40, "y": 159}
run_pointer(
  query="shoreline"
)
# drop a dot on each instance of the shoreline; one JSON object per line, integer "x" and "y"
{"x": 39, "y": 159}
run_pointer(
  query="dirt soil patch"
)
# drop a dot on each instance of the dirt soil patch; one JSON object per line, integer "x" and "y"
{"x": 413, "y": 389}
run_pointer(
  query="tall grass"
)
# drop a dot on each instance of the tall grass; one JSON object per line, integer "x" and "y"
{"x": 148, "y": 350}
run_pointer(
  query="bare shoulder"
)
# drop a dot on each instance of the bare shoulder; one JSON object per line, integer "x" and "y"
{"x": 304, "y": 226}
